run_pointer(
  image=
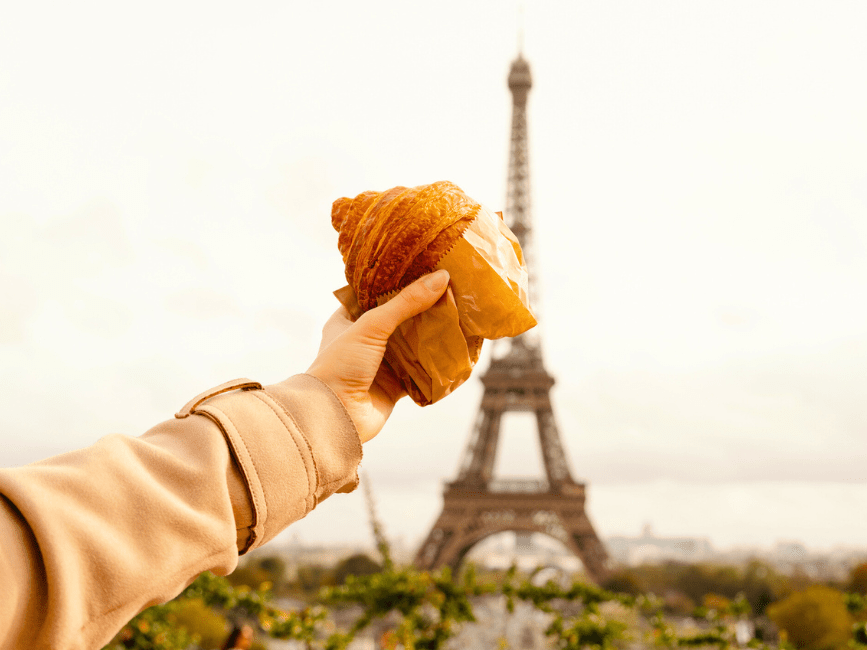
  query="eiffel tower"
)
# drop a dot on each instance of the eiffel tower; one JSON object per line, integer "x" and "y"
{"x": 476, "y": 505}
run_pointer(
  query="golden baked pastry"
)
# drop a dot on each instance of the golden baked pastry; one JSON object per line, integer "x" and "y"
{"x": 390, "y": 239}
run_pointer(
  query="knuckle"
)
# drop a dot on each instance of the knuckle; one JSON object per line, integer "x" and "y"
{"x": 411, "y": 296}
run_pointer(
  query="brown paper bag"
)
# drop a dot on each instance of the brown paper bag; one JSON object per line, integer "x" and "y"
{"x": 487, "y": 272}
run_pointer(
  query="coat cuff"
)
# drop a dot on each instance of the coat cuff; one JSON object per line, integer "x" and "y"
{"x": 294, "y": 445}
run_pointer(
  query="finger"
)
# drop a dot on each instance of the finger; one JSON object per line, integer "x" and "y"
{"x": 381, "y": 322}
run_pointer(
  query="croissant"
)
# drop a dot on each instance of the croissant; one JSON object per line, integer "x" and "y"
{"x": 390, "y": 239}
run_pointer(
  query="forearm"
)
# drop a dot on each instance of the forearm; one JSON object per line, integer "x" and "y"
{"x": 92, "y": 537}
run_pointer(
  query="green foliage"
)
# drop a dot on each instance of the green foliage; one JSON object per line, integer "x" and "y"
{"x": 859, "y": 636}
{"x": 720, "y": 615}
{"x": 430, "y": 605}
{"x": 814, "y": 619}
{"x": 155, "y": 628}
{"x": 159, "y": 627}
{"x": 588, "y": 631}
{"x": 856, "y": 604}
{"x": 425, "y": 609}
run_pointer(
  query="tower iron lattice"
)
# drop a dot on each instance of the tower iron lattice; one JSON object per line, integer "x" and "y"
{"x": 476, "y": 504}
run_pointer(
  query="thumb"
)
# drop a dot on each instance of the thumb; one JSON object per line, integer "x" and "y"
{"x": 381, "y": 322}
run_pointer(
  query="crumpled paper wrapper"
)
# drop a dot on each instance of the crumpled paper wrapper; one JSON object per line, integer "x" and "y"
{"x": 435, "y": 352}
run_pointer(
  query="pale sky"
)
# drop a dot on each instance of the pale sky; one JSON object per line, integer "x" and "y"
{"x": 699, "y": 186}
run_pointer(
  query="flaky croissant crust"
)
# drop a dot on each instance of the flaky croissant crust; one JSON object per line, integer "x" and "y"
{"x": 390, "y": 239}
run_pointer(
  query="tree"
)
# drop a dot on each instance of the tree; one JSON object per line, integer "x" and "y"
{"x": 814, "y": 619}
{"x": 355, "y": 565}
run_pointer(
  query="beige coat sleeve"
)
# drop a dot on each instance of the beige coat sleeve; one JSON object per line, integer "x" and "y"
{"x": 90, "y": 538}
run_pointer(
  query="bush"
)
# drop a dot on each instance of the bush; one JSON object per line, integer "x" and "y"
{"x": 203, "y": 622}
{"x": 814, "y": 619}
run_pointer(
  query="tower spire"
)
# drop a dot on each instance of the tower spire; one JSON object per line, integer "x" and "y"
{"x": 518, "y": 204}
{"x": 518, "y": 188}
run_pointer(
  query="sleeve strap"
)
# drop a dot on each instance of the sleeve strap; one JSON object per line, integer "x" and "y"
{"x": 293, "y": 443}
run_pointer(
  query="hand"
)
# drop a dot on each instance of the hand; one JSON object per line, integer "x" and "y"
{"x": 350, "y": 356}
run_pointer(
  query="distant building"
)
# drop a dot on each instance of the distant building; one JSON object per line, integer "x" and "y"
{"x": 650, "y": 549}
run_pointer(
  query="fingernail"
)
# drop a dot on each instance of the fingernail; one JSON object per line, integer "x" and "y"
{"x": 437, "y": 280}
